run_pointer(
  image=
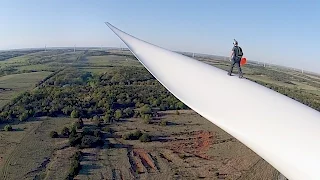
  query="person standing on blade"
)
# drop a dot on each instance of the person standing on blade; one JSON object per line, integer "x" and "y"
{"x": 235, "y": 59}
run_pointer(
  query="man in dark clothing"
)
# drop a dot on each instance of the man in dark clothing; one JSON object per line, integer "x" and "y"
{"x": 236, "y": 56}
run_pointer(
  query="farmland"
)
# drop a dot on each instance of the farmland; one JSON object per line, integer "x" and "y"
{"x": 187, "y": 147}
{"x": 121, "y": 122}
{"x": 27, "y": 149}
{"x": 12, "y": 85}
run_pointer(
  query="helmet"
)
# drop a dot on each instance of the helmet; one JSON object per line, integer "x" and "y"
{"x": 235, "y": 42}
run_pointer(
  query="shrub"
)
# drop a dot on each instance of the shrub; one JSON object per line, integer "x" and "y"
{"x": 132, "y": 136}
{"x": 23, "y": 116}
{"x": 147, "y": 116}
{"x": 108, "y": 129}
{"x": 163, "y": 123}
{"x": 126, "y": 136}
{"x": 87, "y": 131}
{"x": 74, "y": 114}
{"x": 146, "y": 109}
{"x": 107, "y": 118}
{"x": 65, "y": 131}
{"x": 97, "y": 133}
{"x": 75, "y": 139}
{"x": 89, "y": 141}
{"x": 145, "y": 138}
{"x": 78, "y": 124}
{"x": 73, "y": 131}
{"x": 128, "y": 112}
{"x": 77, "y": 155}
{"x": 137, "y": 134}
{"x": 118, "y": 114}
{"x": 54, "y": 134}
{"x": 8, "y": 128}
{"x": 146, "y": 121}
{"x": 182, "y": 156}
{"x": 96, "y": 121}
{"x": 75, "y": 165}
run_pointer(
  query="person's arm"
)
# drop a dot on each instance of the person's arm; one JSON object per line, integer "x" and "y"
{"x": 232, "y": 53}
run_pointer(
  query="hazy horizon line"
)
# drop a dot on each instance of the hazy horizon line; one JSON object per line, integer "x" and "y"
{"x": 113, "y": 47}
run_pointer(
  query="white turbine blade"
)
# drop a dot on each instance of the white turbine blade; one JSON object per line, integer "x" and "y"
{"x": 281, "y": 130}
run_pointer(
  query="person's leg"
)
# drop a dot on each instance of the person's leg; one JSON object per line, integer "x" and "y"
{"x": 231, "y": 68}
{"x": 239, "y": 69}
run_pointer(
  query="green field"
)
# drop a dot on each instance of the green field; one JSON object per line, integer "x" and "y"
{"x": 12, "y": 85}
{"x": 112, "y": 60}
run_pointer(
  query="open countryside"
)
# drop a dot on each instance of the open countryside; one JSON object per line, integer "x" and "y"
{"x": 99, "y": 114}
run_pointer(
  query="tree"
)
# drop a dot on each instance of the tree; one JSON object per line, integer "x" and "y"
{"x": 146, "y": 109}
{"x": 177, "y": 112}
{"x": 54, "y": 134}
{"x": 146, "y": 121}
{"x": 147, "y": 118}
{"x": 96, "y": 120}
{"x": 118, "y": 114}
{"x": 8, "y": 128}
{"x": 107, "y": 118}
{"x": 163, "y": 123}
{"x": 145, "y": 138}
{"x": 73, "y": 131}
{"x": 23, "y": 116}
{"x": 132, "y": 136}
{"x": 65, "y": 131}
{"x": 137, "y": 134}
{"x": 74, "y": 114}
{"x": 89, "y": 141}
{"x": 128, "y": 112}
{"x": 180, "y": 105}
{"x": 155, "y": 102}
{"x": 78, "y": 124}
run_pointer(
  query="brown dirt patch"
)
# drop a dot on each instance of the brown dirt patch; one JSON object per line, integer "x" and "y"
{"x": 138, "y": 166}
{"x": 145, "y": 158}
{"x": 198, "y": 143}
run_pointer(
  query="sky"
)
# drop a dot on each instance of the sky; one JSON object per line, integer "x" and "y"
{"x": 281, "y": 32}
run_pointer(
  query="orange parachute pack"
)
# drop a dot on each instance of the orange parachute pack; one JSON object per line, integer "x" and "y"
{"x": 243, "y": 61}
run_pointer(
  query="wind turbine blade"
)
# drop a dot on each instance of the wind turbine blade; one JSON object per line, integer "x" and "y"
{"x": 281, "y": 130}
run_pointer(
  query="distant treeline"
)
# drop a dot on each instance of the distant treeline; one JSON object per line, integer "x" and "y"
{"x": 52, "y": 61}
{"x": 4, "y": 55}
{"x": 285, "y": 77}
{"x": 119, "y": 93}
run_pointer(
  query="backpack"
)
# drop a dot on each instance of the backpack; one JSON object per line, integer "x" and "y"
{"x": 239, "y": 51}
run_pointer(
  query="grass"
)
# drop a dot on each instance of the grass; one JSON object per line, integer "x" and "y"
{"x": 17, "y": 83}
{"x": 112, "y": 60}
{"x": 39, "y": 67}
{"x": 96, "y": 69}
{"x": 29, "y": 147}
